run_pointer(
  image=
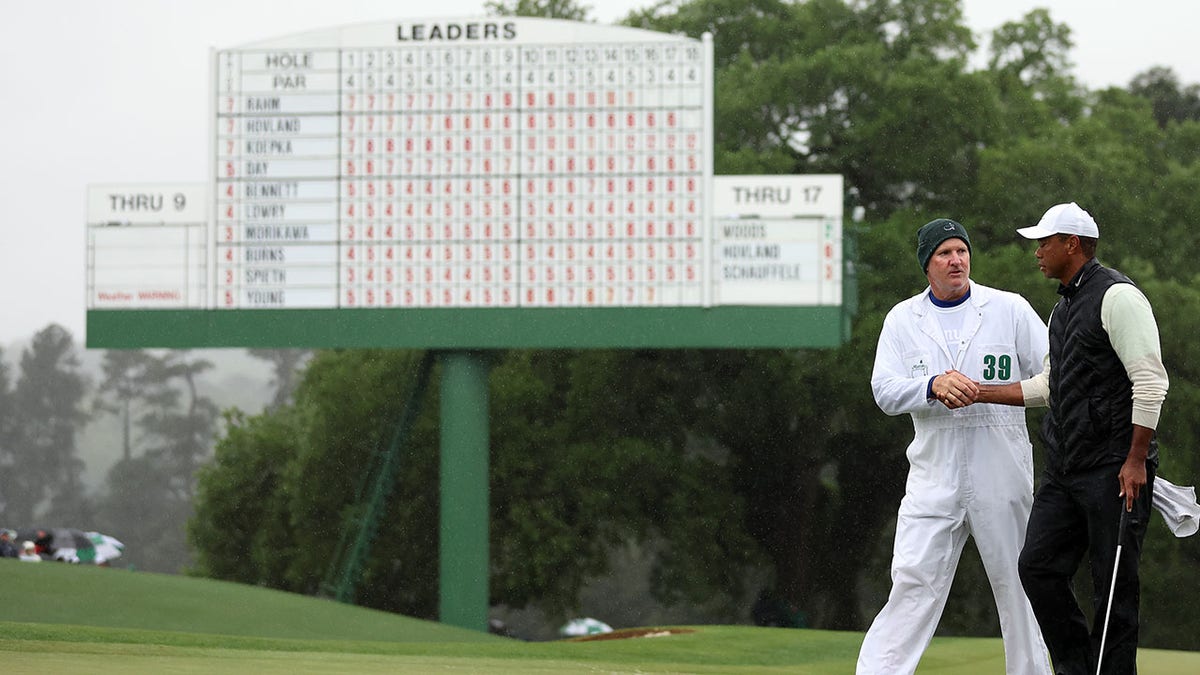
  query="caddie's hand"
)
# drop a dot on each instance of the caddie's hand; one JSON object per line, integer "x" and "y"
{"x": 954, "y": 389}
{"x": 1132, "y": 479}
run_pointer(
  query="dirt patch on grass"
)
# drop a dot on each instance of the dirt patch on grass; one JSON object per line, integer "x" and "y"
{"x": 633, "y": 633}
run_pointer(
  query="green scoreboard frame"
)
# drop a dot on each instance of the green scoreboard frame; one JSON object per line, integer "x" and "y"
{"x": 466, "y": 184}
{"x": 593, "y": 328}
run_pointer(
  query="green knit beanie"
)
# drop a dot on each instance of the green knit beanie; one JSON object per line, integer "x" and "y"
{"x": 932, "y": 234}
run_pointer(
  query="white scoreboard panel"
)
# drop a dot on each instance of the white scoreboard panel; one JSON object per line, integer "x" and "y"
{"x": 147, "y": 246}
{"x": 451, "y": 163}
{"x": 777, "y": 240}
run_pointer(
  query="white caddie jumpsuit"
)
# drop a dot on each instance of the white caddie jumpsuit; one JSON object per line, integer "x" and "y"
{"x": 970, "y": 473}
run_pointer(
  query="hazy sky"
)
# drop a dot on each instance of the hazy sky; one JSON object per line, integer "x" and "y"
{"x": 117, "y": 92}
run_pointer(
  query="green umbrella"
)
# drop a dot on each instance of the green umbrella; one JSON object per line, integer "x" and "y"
{"x": 106, "y": 547}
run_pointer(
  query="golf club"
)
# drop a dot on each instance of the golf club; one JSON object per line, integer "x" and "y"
{"x": 1112, "y": 585}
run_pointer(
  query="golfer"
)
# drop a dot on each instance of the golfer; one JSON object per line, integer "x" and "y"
{"x": 970, "y": 469}
{"x": 1105, "y": 384}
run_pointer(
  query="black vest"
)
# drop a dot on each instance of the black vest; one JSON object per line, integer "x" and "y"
{"x": 1091, "y": 398}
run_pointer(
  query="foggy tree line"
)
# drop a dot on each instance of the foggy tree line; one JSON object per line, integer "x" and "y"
{"x": 167, "y": 430}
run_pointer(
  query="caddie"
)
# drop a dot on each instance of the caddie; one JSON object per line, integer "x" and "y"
{"x": 970, "y": 468}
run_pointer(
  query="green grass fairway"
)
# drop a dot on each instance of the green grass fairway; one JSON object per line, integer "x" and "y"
{"x": 107, "y": 597}
{"x": 57, "y": 618}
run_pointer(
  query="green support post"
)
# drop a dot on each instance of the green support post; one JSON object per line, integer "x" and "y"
{"x": 463, "y": 579}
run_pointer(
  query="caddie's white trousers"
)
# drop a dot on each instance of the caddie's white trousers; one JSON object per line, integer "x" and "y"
{"x": 983, "y": 496}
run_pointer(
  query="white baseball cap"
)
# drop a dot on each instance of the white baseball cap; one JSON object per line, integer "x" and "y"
{"x": 1063, "y": 219}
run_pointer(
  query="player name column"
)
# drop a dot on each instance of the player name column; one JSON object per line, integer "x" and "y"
{"x": 277, "y": 179}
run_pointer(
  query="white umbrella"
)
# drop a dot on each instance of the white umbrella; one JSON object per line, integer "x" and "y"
{"x": 107, "y": 547}
{"x": 584, "y": 626}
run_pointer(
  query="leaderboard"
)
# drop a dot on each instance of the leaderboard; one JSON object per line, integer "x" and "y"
{"x": 463, "y": 163}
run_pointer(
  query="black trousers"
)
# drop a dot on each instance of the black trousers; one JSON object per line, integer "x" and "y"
{"x": 1072, "y": 515}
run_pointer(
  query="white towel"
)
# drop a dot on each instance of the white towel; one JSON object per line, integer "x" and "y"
{"x": 1178, "y": 506}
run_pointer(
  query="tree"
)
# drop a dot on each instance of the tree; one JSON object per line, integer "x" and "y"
{"x": 285, "y": 368}
{"x": 8, "y": 427}
{"x": 239, "y": 529}
{"x": 546, "y": 9}
{"x": 289, "y": 482}
{"x": 47, "y": 415}
{"x": 1170, "y": 101}
{"x": 816, "y": 87}
{"x": 1033, "y": 50}
{"x": 630, "y": 452}
{"x": 567, "y": 487}
{"x": 149, "y": 496}
{"x": 180, "y": 423}
{"x": 125, "y": 373}
{"x": 1030, "y": 66}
